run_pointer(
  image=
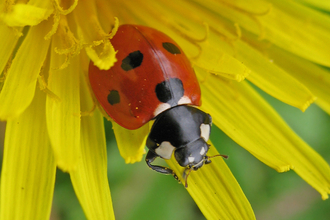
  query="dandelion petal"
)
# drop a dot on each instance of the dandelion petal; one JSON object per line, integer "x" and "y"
{"x": 284, "y": 28}
{"x": 99, "y": 48}
{"x": 246, "y": 118}
{"x": 289, "y": 25}
{"x": 216, "y": 191}
{"x": 224, "y": 65}
{"x": 90, "y": 179}
{"x": 19, "y": 86}
{"x": 274, "y": 80}
{"x": 7, "y": 43}
{"x": 63, "y": 115}
{"x": 28, "y": 172}
{"x": 316, "y": 78}
{"x": 28, "y": 14}
{"x": 131, "y": 143}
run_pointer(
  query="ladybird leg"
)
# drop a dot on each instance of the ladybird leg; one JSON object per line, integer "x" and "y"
{"x": 164, "y": 170}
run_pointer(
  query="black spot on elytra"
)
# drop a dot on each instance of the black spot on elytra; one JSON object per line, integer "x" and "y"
{"x": 171, "y": 48}
{"x": 113, "y": 97}
{"x": 132, "y": 61}
{"x": 170, "y": 91}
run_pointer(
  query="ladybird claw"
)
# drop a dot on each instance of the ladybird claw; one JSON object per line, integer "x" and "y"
{"x": 176, "y": 177}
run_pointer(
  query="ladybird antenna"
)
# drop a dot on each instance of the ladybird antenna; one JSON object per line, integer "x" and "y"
{"x": 186, "y": 177}
{"x": 218, "y": 155}
{"x": 207, "y": 158}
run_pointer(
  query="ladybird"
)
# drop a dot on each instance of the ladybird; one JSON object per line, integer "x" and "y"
{"x": 153, "y": 80}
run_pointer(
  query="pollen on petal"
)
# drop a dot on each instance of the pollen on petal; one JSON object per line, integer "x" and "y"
{"x": 28, "y": 14}
{"x": 97, "y": 42}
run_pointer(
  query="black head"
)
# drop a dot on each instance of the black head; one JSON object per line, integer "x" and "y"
{"x": 193, "y": 155}
{"x": 183, "y": 130}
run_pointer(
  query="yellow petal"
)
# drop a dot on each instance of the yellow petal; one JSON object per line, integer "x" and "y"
{"x": 90, "y": 179}
{"x": 247, "y": 119}
{"x": 28, "y": 172}
{"x": 205, "y": 52}
{"x": 316, "y": 78}
{"x": 99, "y": 49}
{"x": 267, "y": 76}
{"x": 223, "y": 65}
{"x": 19, "y": 86}
{"x": 131, "y": 143}
{"x": 7, "y": 43}
{"x": 274, "y": 80}
{"x": 28, "y": 14}
{"x": 216, "y": 191}
{"x": 66, "y": 43}
{"x": 289, "y": 25}
{"x": 63, "y": 115}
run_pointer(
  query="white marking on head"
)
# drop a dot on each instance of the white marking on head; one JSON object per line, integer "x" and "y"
{"x": 205, "y": 131}
{"x": 165, "y": 150}
{"x": 160, "y": 108}
{"x": 202, "y": 152}
{"x": 191, "y": 159}
{"x": 184, "y": 100}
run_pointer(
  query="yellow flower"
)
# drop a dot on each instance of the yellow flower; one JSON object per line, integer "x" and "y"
{"x": 280, "y": 47}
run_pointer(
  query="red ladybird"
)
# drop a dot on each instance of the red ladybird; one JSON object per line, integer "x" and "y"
{"x": 153, "y": 79}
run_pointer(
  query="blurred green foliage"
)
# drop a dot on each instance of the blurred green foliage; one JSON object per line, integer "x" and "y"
{"x": 139, "y": 193}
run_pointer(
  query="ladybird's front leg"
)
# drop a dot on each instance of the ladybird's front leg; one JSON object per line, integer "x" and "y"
{"x": 164, "y": 170}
